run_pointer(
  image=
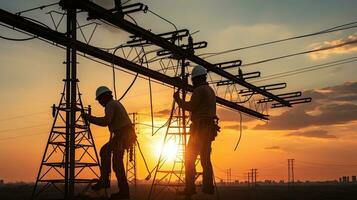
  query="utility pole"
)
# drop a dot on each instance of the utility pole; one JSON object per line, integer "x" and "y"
{"x": 229, "y": 175}
{"x": 248, "y": 178}
{"x": 255, "y": 176}
{"x": 291, "y": 176}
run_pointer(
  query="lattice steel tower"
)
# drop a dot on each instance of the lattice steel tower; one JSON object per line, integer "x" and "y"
{"x": 70, "y": 156}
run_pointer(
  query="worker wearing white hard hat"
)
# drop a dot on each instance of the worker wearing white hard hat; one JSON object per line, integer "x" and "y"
{"x": 122, "y": 138}
{"x": 101, "y": 90}
{"x": 198, "y": 71}
{"x": 203, "y": 131}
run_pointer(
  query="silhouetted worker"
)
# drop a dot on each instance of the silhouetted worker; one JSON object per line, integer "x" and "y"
{"x": 122, "y": 138}
{"x": 203, "y": 131}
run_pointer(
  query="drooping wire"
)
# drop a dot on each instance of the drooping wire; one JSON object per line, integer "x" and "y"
{"x": 36, "y": 8}
{"x": 161, "y": 17}
{"x": 17, "y": 39}
{"x": 24, "y": 39}
{"x": 240, "y": 131}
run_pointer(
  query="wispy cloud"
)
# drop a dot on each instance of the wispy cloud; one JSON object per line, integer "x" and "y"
{"x": 234, "y": 127}
{"x": 330, "y": 106}
{"x": 335, "y": 51}
{"x": 272, "y": 148}
{"x": 313, "y": 134}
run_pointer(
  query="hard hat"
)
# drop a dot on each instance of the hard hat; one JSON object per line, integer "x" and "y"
{"x": 198, "y": 71}
{"x": 101, "y": 90}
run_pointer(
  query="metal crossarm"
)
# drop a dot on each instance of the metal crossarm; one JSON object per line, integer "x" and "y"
{"x": 104, "y": 14}
{"x": 60, "y": 39}
{"x": 245, "y": 76}
{"x": 292, "y": 102}
{"x": 284, "y": 96}
{"x": 229, "y": 64}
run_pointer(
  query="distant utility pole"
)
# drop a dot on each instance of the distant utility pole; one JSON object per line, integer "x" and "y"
{"x": 248, "y": 178}
{"x": 229, "y": 175}
{"x": 252, "y": 177}
{"x": 255, "y": 176}
{"x": 291, "y": 177}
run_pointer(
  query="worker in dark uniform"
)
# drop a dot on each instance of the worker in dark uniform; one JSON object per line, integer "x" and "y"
{"x": 203, "y": 131}
{"x": 122, "y": 138}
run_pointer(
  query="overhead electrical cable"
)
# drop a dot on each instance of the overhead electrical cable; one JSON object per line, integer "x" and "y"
{"x": 330, "y": 30}
{"x": 307, "y": 69}
{"x": 300, "y": 53}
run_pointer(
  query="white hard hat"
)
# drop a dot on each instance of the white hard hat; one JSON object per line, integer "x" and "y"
{"x": 101, "y": 90}
{"x": 198, "y": 71}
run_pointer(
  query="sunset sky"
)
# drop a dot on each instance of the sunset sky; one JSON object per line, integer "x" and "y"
{"x": 320, "y": 136}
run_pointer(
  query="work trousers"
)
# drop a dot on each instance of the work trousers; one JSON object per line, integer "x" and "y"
{"x": 118, "y": 164}
{"x": 199, "y": 145}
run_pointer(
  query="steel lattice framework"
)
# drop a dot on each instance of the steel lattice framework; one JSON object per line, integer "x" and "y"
{"x": 163, "y": 58}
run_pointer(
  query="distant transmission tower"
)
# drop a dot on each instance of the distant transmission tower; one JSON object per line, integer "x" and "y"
{"x": 131, "y": 158}
{"x": 291, "y": 176}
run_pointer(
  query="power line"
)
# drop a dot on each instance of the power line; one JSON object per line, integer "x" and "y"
{"x": 21, "y": 116}
{"x": 36, "y": 8}
{"x": 20, "y": 136}
{"x": 334, "y": 29}
{"x": 300, "y": 53}
{"x": 17, "y": 39}
{"x": 307, "y": 69}
{"x": 328, "y": 164}
{"x": 26, "y": 127}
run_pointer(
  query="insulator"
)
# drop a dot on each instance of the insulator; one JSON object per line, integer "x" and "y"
{"x": 53, "y": 110}
{"x": 240, "y": 73}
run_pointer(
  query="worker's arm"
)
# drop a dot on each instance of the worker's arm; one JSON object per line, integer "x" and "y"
{"x": 103, "y": 121}
{"x": 192, "y": 104}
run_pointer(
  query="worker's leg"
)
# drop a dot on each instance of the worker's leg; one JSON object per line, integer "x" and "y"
{"x": 118, "y": 167}
{"x": 105, "y": 161}
{"x": 207, "y": 179}
{"x": 105, "y": 155}
{"x": 192, "y": 151}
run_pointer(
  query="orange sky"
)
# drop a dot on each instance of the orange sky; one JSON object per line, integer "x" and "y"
{"x": 320, "y": 136}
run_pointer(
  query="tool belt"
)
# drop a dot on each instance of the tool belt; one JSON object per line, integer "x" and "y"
{"x": 205, "y": 127}
{"x": 124, "y": 137}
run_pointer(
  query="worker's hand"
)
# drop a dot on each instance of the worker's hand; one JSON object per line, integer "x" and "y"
{"x": 176, "y": 95}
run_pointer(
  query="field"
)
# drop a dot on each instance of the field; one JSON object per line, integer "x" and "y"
{"x": 260, "y": 192}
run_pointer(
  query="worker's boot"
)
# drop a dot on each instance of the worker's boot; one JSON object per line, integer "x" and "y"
{"x": 101, "y": 184}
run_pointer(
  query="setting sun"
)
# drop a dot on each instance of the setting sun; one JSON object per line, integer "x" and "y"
{"x": 169, "y": 150}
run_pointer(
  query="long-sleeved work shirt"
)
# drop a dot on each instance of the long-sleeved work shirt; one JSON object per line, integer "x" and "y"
{"x": 115, "y": 117}
{"x": 202, "y": 103}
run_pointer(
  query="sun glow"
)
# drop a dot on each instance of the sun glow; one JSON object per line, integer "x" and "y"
{"x": 169, "y": 150}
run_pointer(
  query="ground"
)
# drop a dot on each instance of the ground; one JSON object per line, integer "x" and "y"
{"x": 260, "y": 192}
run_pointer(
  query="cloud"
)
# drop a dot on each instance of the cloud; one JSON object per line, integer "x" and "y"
{"x": 313, "y": 134}
{"x": 335, "y": 51}
{"x": 163, "y": 113}
{"x": 330, "y": 106}
{"x": 234, "y": 127}
{"x": 272, "y": 148}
